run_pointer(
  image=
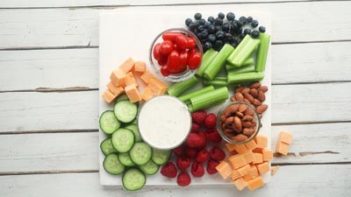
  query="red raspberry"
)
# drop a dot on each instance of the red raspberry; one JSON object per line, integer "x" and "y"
{"x": 199, "y": 116}
{"x": 196, "y": 140}
{"x": 211, "y": 166}
{"x": 202, "y": 156}
{"x": 197, "y": 170}
{"x": 191, "y": 152}
{"x": 213, "y": 136}
{"x": 217, "y": 154}
{"x": 183, "y": 163}
{"x": 179, "y": 151}
{"x": 183, "y": 179}
{"x": 210, "y": 121}
{"x": 169, "y": 170}
{"x": 195, "y": 127}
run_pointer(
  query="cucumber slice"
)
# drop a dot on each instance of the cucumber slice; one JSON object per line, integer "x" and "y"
{"x": 149, "y": 168}
{"x": 123, "y": 140}
{"x": 125, "y": 111}
{"x": 135, "y": 131}
{"x": 125, "y": 159}
{"x": 107, "y": 147}
{"x": 160, "y": 157}
{"x": 112, "y": 164}
{"x": 122, "y": 97}
{"x": 140, "y": 153}
{"x": 133, "y": 179}
{"x": 108, "y": 122}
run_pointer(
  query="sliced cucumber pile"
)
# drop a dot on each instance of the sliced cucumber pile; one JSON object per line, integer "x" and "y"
{"x": 124, "y": 149}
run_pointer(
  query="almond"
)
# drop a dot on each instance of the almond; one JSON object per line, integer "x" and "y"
{"x": 245, "y": 90}
{"x": 256, "y": 102}
{"x": 237, "y": 123}
{"x": 254, "y": 92}
{"x": 229, "y": 120}
{"x": 242, "y": 108}
{"x": 247, "y": 117}
{"x": 255, "y": 85}
{"x": 239, "y": 114}
{"x": 239, "y": 97}
{"x": 248, "y": 131}
{"x": 248, "y": 97}
{"x": 263, "y": 88}
{"x": 240, "y": 138}
{"x": 239, "y": 89}
{"x": 247, "y": 124}
{"x": 262, "y": 108}
{"x": 249, "y": 112}
{"x": 261, "y": 96}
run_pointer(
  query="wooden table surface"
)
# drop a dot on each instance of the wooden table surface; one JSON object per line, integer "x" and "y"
{"x": 49, "y": 93}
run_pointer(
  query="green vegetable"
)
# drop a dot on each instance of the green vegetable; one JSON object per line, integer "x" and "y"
{"x": 192, "y": 94}
{"x": 243, "y": 51}
{"x": 207, "y": 58}
{"x": 178, "y": 88}
{"x": 209, "y": 99}
{"x": 248, "y": 62}
{"x": 243, "y": 69}
{"x": 217, "y": 83}
{"x": 262, "y": 52}
{"x": 234, "y": 77}
{"x": 217, "y": 63}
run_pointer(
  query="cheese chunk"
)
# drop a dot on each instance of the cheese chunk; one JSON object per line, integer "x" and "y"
{"x": 261, "y": 141}
{"x": 285, "y": 137}
{"x": 282, "y": 148}
{"x": 127, "y": 65}
{"x": 157, "y": 87}
{"x": 139, "y": 67}
{"x": 116, "y": 91}
{"x": 258, "y": 158}
{"x": 240, "y": 148}
{"x": 255, "y": 183}
{"x": 133, "y": 93}
{"x": 263, "y": 168}
{"x": 237, "y": 161}
{"x": 224, "y": 169}
{"x": 248, "y": 157}
{"x": 235, "y": 175}
{"x": 244, "y": 170}
{"x": 253, "y": 171}
{"x": 147, "y": 94}
{"x": 230, "y": 147}
{"x": 248, "y": 178}
{"x": 267, "y": 155}
{"x": 108, "y": 96}
{"x": 250, "y": 144}
{"x": 117, "y": 77}
{"x": 240, "y": 184}
{"x": 130, "y": 80}
{"x": 146, "y": 76}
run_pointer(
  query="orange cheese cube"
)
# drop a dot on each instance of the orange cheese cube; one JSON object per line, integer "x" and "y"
{"x": 250, "y": 144}
{"x": 147, "y": 94}
{"x": 267, "y": 155}
{"x": 115, "y": 90}
{"x": 146, "y": 76}
{"x": 117, "y": 77}
{"x": 224, "y": 169}
{"x": 244, "y": 170}
{"x": 235, "y": 175}
{"x": 258, "y": 158}
{"x": 240, "y": 148}
{"x": 274, "y": 170}
{"x": 158, "y": 87}
{"x": 248, "y": 178}
{"x": 130, "y": 80}
{"x": 139, "y": 67}
{"x": 127, "y": 65}
{"x": 132, "y": 93}
{"x": 237, "y": 161}
{"x": 282, "y": 148}
{"x": 230, "y": 147}
{"x": 248, "y": 157}
{"x": 255, "y": 183}
{"x": 285, "y": 137}
{"x": 261, "y": 141}
{"x": 258, "y": 150}
{"x": 240, "y": 184}
{"x": 108, "y": 96}
{"x": 263, "y": 167}
{"x": 253, "y": 171}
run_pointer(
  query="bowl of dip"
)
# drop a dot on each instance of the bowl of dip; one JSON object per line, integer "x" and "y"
{"x": 164, "y": 122}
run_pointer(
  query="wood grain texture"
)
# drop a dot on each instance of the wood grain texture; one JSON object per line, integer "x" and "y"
{"x": 290, "y": 181}
{"x": 70, "y": 68}
{"x": 79, "y": 27}
{"x": 316, "y": 143}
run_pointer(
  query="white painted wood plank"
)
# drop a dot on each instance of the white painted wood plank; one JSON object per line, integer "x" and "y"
{"x": 25, "y": 111}
{"x": 79, "y": 27}
{"x": 52, "y": 69}
{"x": 290, "y": 181}
{"x": 317, "y": 143}
{"x": 70, "y": 3}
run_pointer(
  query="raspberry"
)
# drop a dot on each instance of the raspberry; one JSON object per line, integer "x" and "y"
{"x": 217, "y": 154}
{"x": 210, "y": 121}
{"x": 211, "y": 166}
{"x": 169, "y": 170}
{"x": 202, "y": 156}
{"x": 191, "y": 152}
{"x": 179, "y": 151}
{"x": 183, "y": 179}
{"x": 197, "y": 170}
{"x": 213, "y": 136}
{"x": 195, "y": 127}
{"x": 183, "y": 163}
{"x": 199, "y": 116}
{"x": 195, "y": 140}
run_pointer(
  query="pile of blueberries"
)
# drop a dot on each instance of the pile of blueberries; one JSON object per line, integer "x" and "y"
{"x": 215, "y": 32}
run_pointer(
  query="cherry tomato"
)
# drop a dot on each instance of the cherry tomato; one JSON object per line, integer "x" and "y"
{"x": 194, "y": 60}
{"x": 166, "y": 47}
{"x": 162, "y": 60}
{"x": 164, "y": 71}
{"x": 156, "y": 51}
{"x": 183, "y": 58}
{"x": 173, "y": 62}
{"x": 190, "y": 43}
{"x": 170, "y": 36}
{"x": 181, "y": 41}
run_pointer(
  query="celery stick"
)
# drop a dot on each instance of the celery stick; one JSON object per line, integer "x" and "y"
{"x": 196, "y": 93}
{"x": 234, "y": 77}
{"x": 178, "y": 88}
{"x": 249, "y": 61}
{"x": 218, "y": 83}
{"x": 224, "y": 78}
{"x": 241, "y": 53}
{"x": 209, "y": 99}
{"x": 262, "y": 52}
{"x": 244, "y": 69}
{"x": 217, "y": 63}
{"x": 207, "y": 58}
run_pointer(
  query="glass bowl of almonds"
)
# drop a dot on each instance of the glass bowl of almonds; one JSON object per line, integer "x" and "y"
{"x": 238, "y": 122}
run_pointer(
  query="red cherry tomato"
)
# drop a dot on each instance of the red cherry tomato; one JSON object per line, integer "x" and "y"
{"x": 183, "y": 58}
{"x": 174, "y": 62}
{"x": 181, "y": 41}
{"x": 166, "y": 47}
{"x": 190, "y": 43}
{"x": 162, "y": 60}
{"x": 156, "y": 51}
{"x": 170, "y": 36}
{"x": 194, "y": 60}
{"x": 164, "y": 71}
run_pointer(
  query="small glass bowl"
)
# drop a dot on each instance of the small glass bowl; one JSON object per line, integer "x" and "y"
{"x": 174, "y": 77}
{"x": 229, "y": 139}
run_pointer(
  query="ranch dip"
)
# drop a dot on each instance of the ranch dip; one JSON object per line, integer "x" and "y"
{"x": 164, "y": 122}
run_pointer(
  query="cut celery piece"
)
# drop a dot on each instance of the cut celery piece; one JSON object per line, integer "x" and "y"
{"x": 243, "y": 51}
{"x": 217, "y": 83}
{"x": 249, "y": 68}
{"x": 209, "y": 99}
{"x": 178, "y": 88}
{"x": 234, "y": 77}
{"x": 262, "y": 52}
{"x": 218, "y": 62}
{"x": 207, "y": 58}
{"x": 188, "y": 96}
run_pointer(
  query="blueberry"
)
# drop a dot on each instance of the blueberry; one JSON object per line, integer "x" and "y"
{"x": 228, "y": 37}
{"x": 249, "y": 19}
{"x": 207, "y": 24}
{"x": 243, "y": 20}
{"x": 201, "y": 28}
{"x": 204, "y": 34}
{"x": 230, "y": 16}
{"x": 218, "y": 45}
{"x": 207, "y": 45}
{"x": 262, "y": 29}
{"x": 211, "y": 29}
{"x": 219, "y": 35}
{"x": 197, "y": 16}
{"x": 211, "y": 19}
{"x": 255, "y": 34}
{"x": 188, "y": 21}
{"x": 254, "y": 23}
{"x": 239, "y": 23}
{"x": 211, "y": 38}
{"x": 202, "y": 21}
{"x": 221, "y": 15}
{"x": 218, "y": 28}
{"x": 247, "y": 31}
{"x": 218, "y": 21}
{"x": 225, "y": 27}
{"x": 192, "y": 26}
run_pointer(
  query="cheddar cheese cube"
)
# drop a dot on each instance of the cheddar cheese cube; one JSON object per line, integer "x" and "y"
{"x": 230, "y": 147}
{"x": 250, "y": 144}
{"x": 224, "y": 169}
{"x": 115, "y": 90}
{"x": 117, "y": 77}
{"x": 285, "y": 137}
{"x": 130, "y": 80}
{"x": 258, "y": 150}
{"x": 139, "y": 67}
{"x": 108, "y": 96}
{"x": 147, "y": 94}
{"x": 258, "y": 158}
{"x": 244, "y": 170}
{"x": 235, "y": 175}
{"x": 253, "y": 171}
{"x": 261, "y": 141}
{"x": 146, "y": 76}
{"x": 282, "y": 148}
{"x": 263, "y": 168}
{"x": 158, "y": 87}
{"x": 237, "y": 161}
{"x": 240, "y": 148}
{"x": 127, "y": 65}
{"x": 248, "y": 157}
{"x": 240, "y": 184}
{"x": 267, "y": 155}
{"x": 255, "y": 183}
{"x": 248, "y": 178}
{"x": 133, "y": 93}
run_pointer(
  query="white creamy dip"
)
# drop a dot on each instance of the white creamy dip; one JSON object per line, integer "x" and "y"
{"x": 164, "y": 122}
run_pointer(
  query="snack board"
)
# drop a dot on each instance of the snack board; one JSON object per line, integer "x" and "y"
{"x": 129, "y": 32}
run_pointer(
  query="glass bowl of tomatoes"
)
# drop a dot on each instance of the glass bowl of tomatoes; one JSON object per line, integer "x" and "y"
{"x": 175, "y": 54}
